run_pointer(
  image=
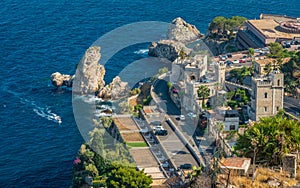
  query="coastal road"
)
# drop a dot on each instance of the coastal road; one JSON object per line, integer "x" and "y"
{"x": 186, "y": 127}
{"x": 292, "y": 106}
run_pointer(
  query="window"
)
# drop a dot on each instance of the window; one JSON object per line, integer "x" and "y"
{"x": 266, "y": 95}
{"x": 277, "y": 108}
{"x": 266, "y": 109}
{"x": 278, "y": 82}
{"x": 232, "y": 127}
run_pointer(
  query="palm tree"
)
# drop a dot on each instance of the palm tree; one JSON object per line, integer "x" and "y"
{"x": 268, "y": 68}
{"x": 203, "y": 92}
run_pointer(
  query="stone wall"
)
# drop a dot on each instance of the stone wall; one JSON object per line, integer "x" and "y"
{"x": 290, "y": 164}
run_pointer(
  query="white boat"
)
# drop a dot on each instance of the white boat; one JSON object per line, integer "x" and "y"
{"x": 57, "y": 118}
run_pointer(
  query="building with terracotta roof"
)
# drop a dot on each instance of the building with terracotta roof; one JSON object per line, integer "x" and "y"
{"x": 236, "y": 165}
{"x": 259, "y": 65}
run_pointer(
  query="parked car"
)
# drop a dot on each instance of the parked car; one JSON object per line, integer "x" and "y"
{"x": 191, "y": 114}
{"x": 235, "y": 61}
{"x": 161, "y": 132}
{"x": 242, "y": 61}
{"x": 181, "y": 117}
{"x": 223, "y": 57}
{"x": 157, "y": 128}
{"x": 229, "y": 55}
{"x": 228, "y": 63}
{"x": 186, "y": 166}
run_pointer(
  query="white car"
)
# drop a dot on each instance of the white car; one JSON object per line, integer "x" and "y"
{"x": 191, "y": 114}
{"x": 182, "y": 117}
{"x": 158, "y": 128}
{"x": 236, "y": 61}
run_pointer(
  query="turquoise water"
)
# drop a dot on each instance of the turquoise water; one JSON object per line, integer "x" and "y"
{"x": 41, "y": 37}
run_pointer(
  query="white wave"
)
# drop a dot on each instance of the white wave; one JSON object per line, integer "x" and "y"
{"x": 47, "y": 114}
{"x": 141, "y": 51}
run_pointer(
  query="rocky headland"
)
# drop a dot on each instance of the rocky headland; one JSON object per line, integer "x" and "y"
{"x": 179, "y": 34}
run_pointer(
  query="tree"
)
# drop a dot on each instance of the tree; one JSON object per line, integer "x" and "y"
{"x": 203, "y": 93}
{"x": 276, "y": 50}
{"x": 182, "y": 54}
{"x": 127, "y": 177}
{"x": 91, "y": 168}
{"x": 224, "y": 25}
{"x": 240, "y": 74}
{"x": 163, "y": 70}
{"x": 251, "y": 54}
{"x": 170, "y": 85}
{"x": 218, "y": 23}
{"x": 274, "y": 136}
{"x": 291, "y": 72}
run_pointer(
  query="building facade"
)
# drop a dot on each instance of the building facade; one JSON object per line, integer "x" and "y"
{"x": 267, "y": 95}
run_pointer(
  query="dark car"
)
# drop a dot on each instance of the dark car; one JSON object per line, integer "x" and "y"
{"x": 186, "y": 166}
{"x": 229, "y": 55}
{"x": 161, "y": 132}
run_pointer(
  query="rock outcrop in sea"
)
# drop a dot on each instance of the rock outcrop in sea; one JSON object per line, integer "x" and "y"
{"x": 89, "y": 73}
{"x": 115, "y": 90}
{"x": 59, "y": 79}
{"x": 179, "y": 34}
{"x": 167, "y": 49}
{"x": 89, "y": 78}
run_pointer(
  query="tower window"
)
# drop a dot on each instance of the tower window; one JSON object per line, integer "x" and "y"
{"x": 278, "y": 82}
{"x": 277, "y": 108}
{"x": 266, "y": 95}
{"x": 266, "y": 109}
{"x": 193, "y": 77}
{"x": 232, "y": 127}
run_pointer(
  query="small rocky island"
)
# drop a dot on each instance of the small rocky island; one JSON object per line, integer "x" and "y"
{"x": 89, "y": 78}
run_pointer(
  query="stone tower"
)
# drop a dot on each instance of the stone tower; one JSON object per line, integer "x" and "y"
{"x": 220, "y": 72}
{"x": 267, "y": 95}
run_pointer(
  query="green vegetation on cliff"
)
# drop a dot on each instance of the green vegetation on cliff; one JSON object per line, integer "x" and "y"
{"x": 291, "y": 72}
{"x": 269, "y": 139}
{"x": 103, "y": 163}
{"x": 223, "y": 25}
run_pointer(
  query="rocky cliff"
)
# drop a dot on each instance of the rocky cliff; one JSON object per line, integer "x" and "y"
{"x": 167, "y": 49}
{"x": 179, "y": 34}
{"x": 115, "y": 90}
{"x": 89, "y": 74}
{"x": 181, "y": 31}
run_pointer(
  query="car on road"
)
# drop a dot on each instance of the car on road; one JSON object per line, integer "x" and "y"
{"x": 242, "y": 61}
{"x": 186, "y": 166}
{"x": 181, "y": 117}
{"x": 191, "y": 114}
{"x": 161, "y": 132}
{"x": 235, "y": 61}
{"x": 157, "y": 128}
{"x": 223, "y": 57}
{"x": 228, "y": 63}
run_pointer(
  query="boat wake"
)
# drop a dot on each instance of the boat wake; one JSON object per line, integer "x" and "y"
{"x": 142, "y": 51}
{"x": 44, "y": 112}
{"x": 47, "y": 114}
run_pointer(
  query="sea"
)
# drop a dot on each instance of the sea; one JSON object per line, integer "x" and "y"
{"x": 39, "y": 37}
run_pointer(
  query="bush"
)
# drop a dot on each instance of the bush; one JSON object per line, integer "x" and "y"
{"x": 135, "y": 91}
